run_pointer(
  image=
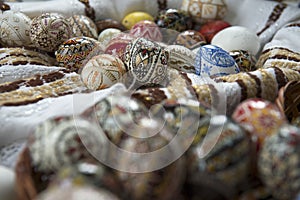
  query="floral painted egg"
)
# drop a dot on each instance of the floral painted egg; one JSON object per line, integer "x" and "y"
{"x": 237, "y": 38}
{"x": 50, "y": 30}
{"x": 214, "y": 61}
{"x": 15, "y": 29}
{"x": 83, "y": 26}
{"x": 211, "y": 28}
{"x": 106, "y": 35}
{"x": 181, "y": 58}
{"x": 132, "y": 18}
{"x": 75, "y": 52}
{"x": 147, "y": 29}
{"x": 102, "y": 71}
{"x": 117, "y": 45}
{"x": 244, "y": 59}
{"x": 259, "y": 117}
{"x": 174, "y": 19}
{"x": 222, "y": 156}
{"x": 146, "y": 61}
{"x": 279, "y": 162}
{"x": 203, "y": 11}
{"x": 190, "y": 39}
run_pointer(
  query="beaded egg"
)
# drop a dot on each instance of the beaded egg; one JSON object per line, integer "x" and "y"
{"x": 75, "y": 52}
{"x": 83, "y": 26}
{"x": 15, "y": 29}
{"x": 279, "y": 162}
{"x": 244, "y": 59}
{"x": 117, "y": 45}
{"x": 50, "y": 30}
{"x": 174, "y": 19}
{"x": 102, "y": 71}
{"x": 220, "y": 155}
{"x": 147, "y": 29}
{"x": 259, "y": 117}
{"x": 181, "y": 58}
{"x": 190, "y": 39}
{"x": 132, "y": 18}
{"x": 214, "y": 61}
{"x": 203, "y": 11}
{"x": 146, "y": 61}
{"x": 106, "y": 35}
{"x": 211, "y": 28}
{"x": 237, "y": 38}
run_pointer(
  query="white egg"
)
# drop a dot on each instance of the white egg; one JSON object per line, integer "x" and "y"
{"x": 15, "y": 29}
{"x": 7, "y": 183}
{"x": 237, "y": 38}
{"x": 106, "y": 35}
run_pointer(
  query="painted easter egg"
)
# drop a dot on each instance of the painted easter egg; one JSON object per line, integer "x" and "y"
{"x": 173, "y": 19}
{"x": 190, "y": 39}
{"x": 106, "y": 35}
{"x": 211, "y": 28}
{"x": 146, "y": 61}
{"x": 181, "y": 58}
{"x": 147, "y": 29}
{"x": 132, "y": 18}
{"x": 237, "y": 38}
{"x": 102, "y": 71}
{"x": 214, "y": 61}
{"x": 259, "y": 117}
{"x": 279, "y": 162}
{"x": 244, "y": 59}
{"x": 50, "y": 30}
{"x": 203, "y": 11}
{"x": 75, "y": 52}
{"x": 83, "y": 26}
{"x": 117, "y": 45}
{"x": 15, "y": 29}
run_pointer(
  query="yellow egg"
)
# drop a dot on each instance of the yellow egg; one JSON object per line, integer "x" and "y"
{"x": 134, "y": 17}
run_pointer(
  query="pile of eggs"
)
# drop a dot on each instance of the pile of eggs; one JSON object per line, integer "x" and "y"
{"x": 193, "y": 39}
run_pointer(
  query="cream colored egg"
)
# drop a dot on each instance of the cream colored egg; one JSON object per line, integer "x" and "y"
{"x": 14, "y": 29}
{"x": 237, "y": 38}
{"x": 7, "y": 183}
{"x": 102, "y": 71}
{"x": 106, "y": 35}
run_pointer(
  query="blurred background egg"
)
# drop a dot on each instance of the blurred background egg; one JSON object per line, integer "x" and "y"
{"x": 147, "y": 29}
{"x": 214, "y": 61}
{"x": 83, "y": 26}
{"x": 190, "y": 39}
{"x": 15, "y": 29}
{"x": 107, "y": 34}
{"x": 132, "y": 18}
{"x": 237, "y": 38}
{"x": 211, "y": 28}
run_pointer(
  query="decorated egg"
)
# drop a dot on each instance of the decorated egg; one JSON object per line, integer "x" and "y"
{"x": 203, "y": 11}
{"x": 15, "y": 29}
{"x": 147, "y": 29}
{"x": 75, "y": 52}
{"x": 106, "y": 35}
{"x": 181, "y": 58}
{"x": 63, "y": 141}
{"x": 83, "y": 26}
{"x": 7, "y": 182}
{"x": 237, "y": 38}
{"x": 50, "y": 30}
{"x": 279, "y": 162}
{"x": 190, "y": 39}
{"x": 102, "y": 71}
{"x": 211, "y": 28}
{"x": 117, "y": 45}
{"x": 109, "y": 23}
{"x": 146, "y": 61}
{"x": 245, "y": 60}
{"x": 220, "y": 155}
{"x": 259, "y": 117}
{"x": 214, "y": 61}
{"x": 174, "y": 19}
{"x": 132, "y": 18}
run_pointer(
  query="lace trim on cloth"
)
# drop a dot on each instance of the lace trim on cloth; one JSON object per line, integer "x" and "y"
{"x": 9, "y": 153}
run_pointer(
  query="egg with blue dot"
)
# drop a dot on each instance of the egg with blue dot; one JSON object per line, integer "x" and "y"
{"x": 213, "y": 61}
